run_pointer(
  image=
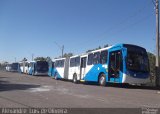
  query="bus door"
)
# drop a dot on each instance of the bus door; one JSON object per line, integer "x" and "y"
{"x": 83, "y": 67}
{"x": 115, "y": 70}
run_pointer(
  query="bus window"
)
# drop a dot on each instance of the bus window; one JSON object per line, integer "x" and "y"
{"x": 62, "y": 63}
{"x": 96, "y": 58}
{"x": 103, "y": 57}
{"x": 77, "y": 61}
{"x": 57, "y": 64}
{"x": 72, "y": 61}
{"x": 83, "y": 62}
{"x": 137, "y": 61}
{"x": 90, "y": 59}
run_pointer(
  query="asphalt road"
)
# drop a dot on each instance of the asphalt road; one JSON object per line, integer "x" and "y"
{"x": 21, "y": 90}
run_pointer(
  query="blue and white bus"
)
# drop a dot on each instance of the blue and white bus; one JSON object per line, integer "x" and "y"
{"x": 38, "y": 68}
{"x": 122, "y": 63}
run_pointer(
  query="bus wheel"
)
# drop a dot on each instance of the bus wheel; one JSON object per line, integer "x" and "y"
{"x": 75, "y": 79}
{"x": 102, "y": 80}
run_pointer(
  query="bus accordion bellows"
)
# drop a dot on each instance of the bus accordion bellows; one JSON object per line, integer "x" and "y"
{"x": 121, "y": 63}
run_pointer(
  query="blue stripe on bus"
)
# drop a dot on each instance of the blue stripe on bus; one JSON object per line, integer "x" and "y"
{"x": 53, "y": 73}
{"x": 93, "y": 73}
{"x": 50, "y": 72}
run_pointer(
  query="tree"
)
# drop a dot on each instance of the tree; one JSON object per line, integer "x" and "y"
{"x": 152, "y": 60}
{"x": 93, "y": 49}
{"x": 65, "y": 55}
{"x": 106, "y": 45}
{"x": 48, "y": 59}
{"x": 68, "y": 55}
{"x": 24, "y": 59}
{"x": 40, "y": 59}
{"x": 97, "y": 48}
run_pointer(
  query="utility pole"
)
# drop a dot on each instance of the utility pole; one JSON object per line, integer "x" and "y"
{"x": 32, "y": 56}
{"x": 157, "y": 45}
{"x": 62, "y": 50}
{"x": 15, "y": 59}
{"x": 60, "y": 47}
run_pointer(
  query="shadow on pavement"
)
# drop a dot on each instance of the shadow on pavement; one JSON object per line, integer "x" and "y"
{"x": 125, "y": 86}
{"x": 41, "y": 76}
{"x": 6, "y": 86}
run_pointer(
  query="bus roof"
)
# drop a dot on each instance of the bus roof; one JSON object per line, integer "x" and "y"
{"x": 74, "y": 56}
{"x": 58, "y": 59}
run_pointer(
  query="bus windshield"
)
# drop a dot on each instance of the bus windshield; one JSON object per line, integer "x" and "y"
{"x": 137, "y": 60}
{"x": 42, "y": 66}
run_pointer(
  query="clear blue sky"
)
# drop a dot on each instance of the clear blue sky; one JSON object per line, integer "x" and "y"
{"x": 33, "y": 26}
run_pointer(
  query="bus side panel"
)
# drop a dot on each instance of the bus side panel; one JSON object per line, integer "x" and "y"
{"x": 21, "y": 69}
{"x": 74, "y": 70}
{"x": 30, "y": 71}
{"x": 93, "y": 73}
{"x": 71, "y": 72}
{"x": 25, "y": 69}
{"x": 50, "y": 71}
{"x": 59, "y": 72}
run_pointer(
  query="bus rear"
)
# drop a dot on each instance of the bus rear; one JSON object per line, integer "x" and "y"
{"x": 41, "y": 68}
{"x": 15, "y": 67}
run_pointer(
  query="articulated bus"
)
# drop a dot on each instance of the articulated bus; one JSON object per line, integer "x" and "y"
{"x": 38, "y": 68}
{"x": 24, "y": 67}
{"x": 122, "y": 63}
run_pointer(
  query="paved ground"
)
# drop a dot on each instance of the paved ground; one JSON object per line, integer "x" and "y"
{"x": 21, "y": 90}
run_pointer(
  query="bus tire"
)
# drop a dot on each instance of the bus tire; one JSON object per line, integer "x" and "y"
{"x": 75, "y": 79}
{"x": 102, "y": 80}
